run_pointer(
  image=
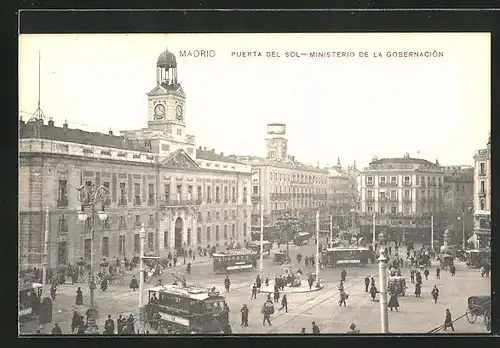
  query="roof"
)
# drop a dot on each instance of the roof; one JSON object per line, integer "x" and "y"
{"x": 51, "y": 132}
{"x": 235, "y": 252}
{"x": 166, "y": 60}
{"x": 346, "y": 249}
{"x": 211, "y": 155}
{"x": 406, "y": 160}
{"x": 191, "y": 292}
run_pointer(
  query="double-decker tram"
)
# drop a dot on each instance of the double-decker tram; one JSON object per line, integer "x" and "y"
{"x": 301, "y": 238}
{"x": 188, "y": 309}
{"x": 29, "y": 300}
{"x": 255, "y": 246}
{"x": 346, "y": 256}
{"x": 235, "y": 261}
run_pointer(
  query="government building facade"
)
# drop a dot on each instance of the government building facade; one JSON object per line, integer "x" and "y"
{"x": 281, "y": 185}
{"x": 186, "y": 196}
{"x": 404, "y": 195}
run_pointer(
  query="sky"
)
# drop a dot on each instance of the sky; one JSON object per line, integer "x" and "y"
{"x": 348, "y": 107}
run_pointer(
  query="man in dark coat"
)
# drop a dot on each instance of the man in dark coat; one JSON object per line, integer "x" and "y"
{"x": 438, "y": 273}
{"x": 244, "y": 315}
{"x": 418, "y": 289}
{"x": 133, "y": 284}
{"x": 315, "y": 328}
{"x": 373, "y": 292}
{"x": 104, "y": 284}
{"x": 227, "y": 283}
{"x": 448, "y": 322}
{"x": 453, "y": 270}
{"x": 393, "y": 302}
{"x": 367, "y": 283}
{"x": 56, "y": 330}
{"x": 284, "y": 303}
{"x": 343, "y": 274}
{"x": 435, "y": 293}
{"x": 310, "y": 281}
{"x": 254, "y": 292}
{"x": 426, "y": 274}
{"x": 109, "y": 326}
{"x": 79, "y": 297}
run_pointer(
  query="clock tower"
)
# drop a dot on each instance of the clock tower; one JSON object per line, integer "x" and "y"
{"x": 166, "y": 102}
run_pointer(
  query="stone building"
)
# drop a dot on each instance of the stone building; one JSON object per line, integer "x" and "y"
{"x": 482, "y": 196}
{"x": 186, "y": 196}
{"x": 281, "y": 184}
{"x": 402, "y": 194}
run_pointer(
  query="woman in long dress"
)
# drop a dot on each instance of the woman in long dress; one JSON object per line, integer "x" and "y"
{"x": 393, "y": 302}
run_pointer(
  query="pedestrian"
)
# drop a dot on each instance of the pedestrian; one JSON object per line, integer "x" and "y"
{"x": 227, "y": 283}
{"x": 266, "y": 282}
{"x": 190, "y": 252}
{"x": 373, "y": 292}
{"x": 310, "y": 281}
{"x": 120, "y": 324}
{"x": 175, "y": 261}
{"x": 258, "y": 282}
{"x": 267, "y": 310}
{"x": 133, "y": 284}
{"x": 254, "y": 292}
{"x": 435, "y": 293}
{"x": 303, "y": 331}
{"x": 276, "y": 295}
{"x": 343, "y": 296}
{"x": 452, "y": 270}
{"x": 284, "y": 303}
{"x": 353, "y": 329}
{"x": 418, "y": 289}
{"x": 188, "y": 268}
{"x": 341, "y": 286}
{"x": 104, "y": 284}
{"x": 367, "y": 283}
{"x": 56, "y": 330}
{"x": 412, "y": 277}
{"x": 343, "y": 274}
{"x": 244, "y": 315}
{"x": 75, "y": 321}
{"x": 161, "y": 329}
{"x": 448, "y": 323}
{"x": 315, "y": 328}
{"x": 53, "y": 290}
{"x": 438, "y": 273}
{"x": 79, "y": 297}
{"x": 393, "y": 302}
{"x": 130, "y": 323}
{"x": 109, "y": 326}
{"x": 426, "y": 274}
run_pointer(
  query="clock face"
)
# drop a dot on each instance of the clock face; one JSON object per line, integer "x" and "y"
{"x": 179, "y": 112}
{"x": 159, "y": 111}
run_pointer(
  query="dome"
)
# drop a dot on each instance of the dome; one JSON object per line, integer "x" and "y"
{"x": 166, "y": 60}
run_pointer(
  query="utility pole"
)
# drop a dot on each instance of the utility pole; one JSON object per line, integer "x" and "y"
{"x": 261, "y": 263}
{"x": 45, "y": 252}
{"x": 432, "y": 232}
{"x": 382, "y": 264}
{"x": 317, "y": 247}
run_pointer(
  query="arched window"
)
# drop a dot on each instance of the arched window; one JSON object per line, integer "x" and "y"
{"x": 482, "y": 204}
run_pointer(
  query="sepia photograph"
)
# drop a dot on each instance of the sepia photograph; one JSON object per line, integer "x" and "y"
{"x": 244, "y": 184}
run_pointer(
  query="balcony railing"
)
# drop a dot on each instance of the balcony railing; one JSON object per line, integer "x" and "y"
{"x": 137, "y": 200}
{"x": 407, "y": 183}
{"x": 151, "y": 201}
{"x": 370, "y": 183}
{"x": 482, "y": 174}
{"x": 122, "y": 201}
{"x": 179, "y": 203}
{"x": 406, "y": 199}
{"x": 62, "y": 202}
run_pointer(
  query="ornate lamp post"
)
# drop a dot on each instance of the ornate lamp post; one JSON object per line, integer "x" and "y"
{"x": 142, "y": 235}
{"x": 382, "y": 267}
{"x": 90, "y": 196}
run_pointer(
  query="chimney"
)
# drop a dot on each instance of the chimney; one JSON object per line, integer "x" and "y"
{"x": 407, "y": 155}
{"x": 21, "y": 122}
{"x": 51, "y": 122}
{"x": 110, "y": 131}
{"x": 222, "y": 153}
{"x": 374, "y": 158}
{"x": 40, "y": 121}
{"x": 65, "y": 124}
{"x": 205, "y": 148}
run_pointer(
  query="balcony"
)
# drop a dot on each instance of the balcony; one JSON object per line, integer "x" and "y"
{"x": 62, "y": 202}
{"x": 369, "y": 183}
{"x": 370, "y": 200}
{"x": 179, "y": 203}
{"x": 482, "y": 174}
{"x": 151, "y": 201}
{"x": 383, "y": 199}
{"x": 137, "y": 200}
{"x": 407, "y": 183}
{"x": 406, "y": 199}
{"x": 482, "y": 193}
{"x": 393, "y": 199}
{"x": 255, "y": 198}
{"x": 122, "y": 201}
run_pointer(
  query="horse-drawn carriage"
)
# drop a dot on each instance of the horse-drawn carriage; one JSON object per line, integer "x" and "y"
{"x": 281, "y": 258}
{"x": 479, "y": 306}
{"x": 397, "y": 285}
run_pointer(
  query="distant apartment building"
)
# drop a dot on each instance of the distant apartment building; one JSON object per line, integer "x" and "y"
{"x": 403, "y": 194}
{"x": 482, "y": 196}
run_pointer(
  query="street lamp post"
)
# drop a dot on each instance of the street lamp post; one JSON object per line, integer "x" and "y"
{"x": 317, "y": 248}
{"x": 331, "y": 230}
{"x": 90, "y": 196}
{"x": 374, "y": 236}
{"x": 382, "y": 267}
{"x": 142, "y": 235}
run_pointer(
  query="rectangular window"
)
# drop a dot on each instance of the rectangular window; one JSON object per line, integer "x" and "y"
{"x": 483, "y": 188}
{"x": 407, "y": 180}
{"x": 255, "y": 190}
{"x": 106, "y": 223}
{"x": 406, "y": 209}
{"x": 225, "y": 231}
{"x": 151, "y": 220}
{"x": 105, "y": 247}
{"x": 382, "y": 209}
{"x": 233, "y": 194}
{"x": 369, "y": 194}
{"x": 217, "y": 233}
{"x": 167, "y": 193}
{"x": 233, "y": 214}
{"x": 199, "y": 194}
{"x": 122, "y": 223}
{"x": 217, "y": 194}
{"x": 394, "y": 180}
{"x": 165, "y": 240}
{"x": 209, "y": 194}
{"x": 165, "y": 147}
{"x": 190, "y": 193}
{"x": 233, "y": 231}
{"x": 138, "y": 220}
{"x": 179, "y": 192}
{"x": 209, "y": 217}
{"x": 482, "y": 169}
{"x": 179, "y": 131}
{"x": 198, "y": 235}
{"x": 188, "y": 231}
{"x": 394, "y": 209}
{"x": 369, "y": 208}
{"x": 137, "y": 194}
{"x": 225, "y": 215}
{"x": 123, "y": 195}
{"x": 244, "y": 229}
{"x": 217, "y": 216}
{"x": 381, "y": 195}
{"x": 394, "y": 194}
{"x": 62, "y": 195}
{"x": 369, "y": 180}
{"x": 406, "y": 194}
{"x": 382, "y": 180}
{"x": 151, "y": 194}
{"x": 121, "y": 245}
{"x": 107, "y": 202}
{"x": 137, "y": 243}
{"x": 226, "y": 194}
{"x": 63, "y": 224}
{"x": 151, "y": 241}
{"x": 88, "y": 224}
{"x": 244, "y": 194}
{"x": 208, "y": 234}
{"x": 62, "y": 253}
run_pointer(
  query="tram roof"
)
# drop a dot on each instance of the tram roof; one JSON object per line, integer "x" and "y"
{"x": 191, "y": 292}
{"x": 347, "y": 249}
{"x": 258, "y": 242}
{"x": 235, "y": 252}
{"x": 28, "y": 286}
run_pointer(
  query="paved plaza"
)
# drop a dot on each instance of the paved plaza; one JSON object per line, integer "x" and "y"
{"x": 416, "y": 315}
